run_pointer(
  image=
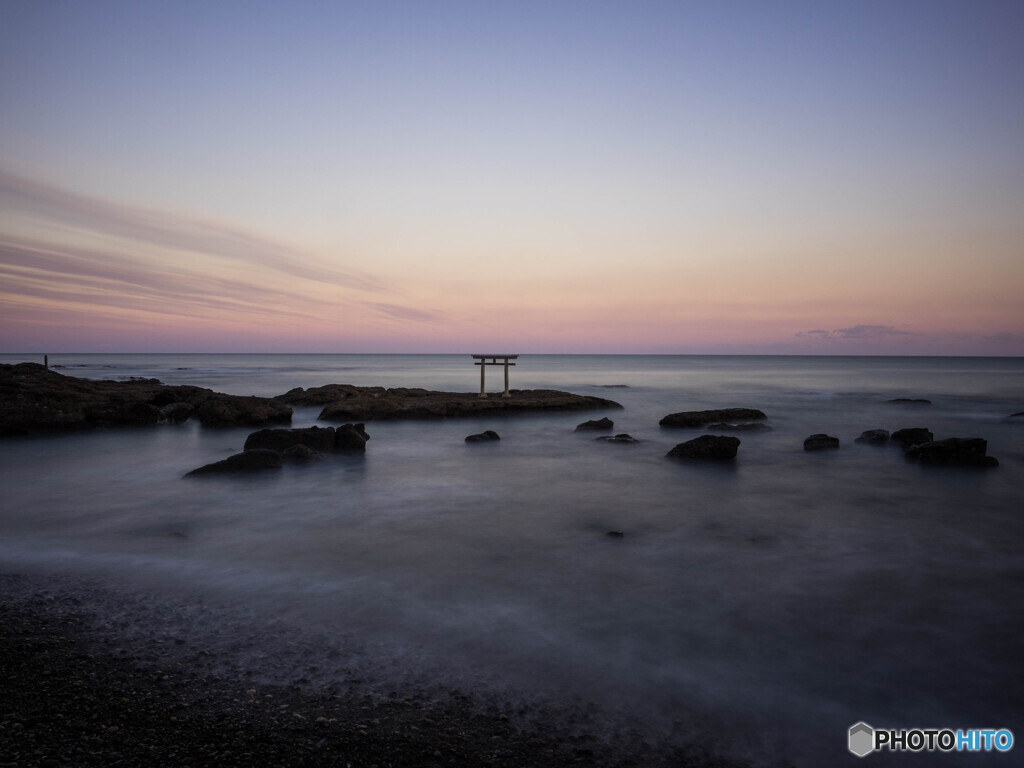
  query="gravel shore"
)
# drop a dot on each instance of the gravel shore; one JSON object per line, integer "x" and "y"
{"x": 75, "y": 692}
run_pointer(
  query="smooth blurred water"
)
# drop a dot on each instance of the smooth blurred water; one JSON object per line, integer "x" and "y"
{"x": 774, "y": 601}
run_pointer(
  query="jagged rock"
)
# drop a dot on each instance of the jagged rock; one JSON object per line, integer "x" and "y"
{"x": 595, "y": 424}
{"x": 912, "y": 436}
{"x": 707, "y": 447}
{"x": 300, "y": 454}
{"x": 317, "y": 438}
{"x": 874, "y": 437}
{"x": 954, "y": 451}
{"x": 36, "y": 399}
{"x": 820, "y": 442}
{"x": 238, "y": 411}
{"x": 350, "y": 437}
{"x": 248, "y": 461}
{"x": 623, "y": 438}
{"x": 330, "y": 393}
{"x": 700, "y": 419}
{"x": 484, "y": 437}
{"x": 750, "y": 426}
{"x": 175, "y": 413}
{"x": 910, "y": 401}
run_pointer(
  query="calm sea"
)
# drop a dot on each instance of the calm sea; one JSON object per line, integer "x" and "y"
{"x": 764, "y": 606}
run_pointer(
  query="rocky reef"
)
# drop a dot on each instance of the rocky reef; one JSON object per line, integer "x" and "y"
{"x": 36, "y": 399}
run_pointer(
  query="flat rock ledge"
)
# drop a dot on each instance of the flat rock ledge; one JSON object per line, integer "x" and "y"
{"x": 735, "y": 417}
{"x": 35, "y": 399}
{"x": 344, "y": 402}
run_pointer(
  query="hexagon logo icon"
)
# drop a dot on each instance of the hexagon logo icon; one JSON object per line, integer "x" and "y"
{"x": 862, "y": 739}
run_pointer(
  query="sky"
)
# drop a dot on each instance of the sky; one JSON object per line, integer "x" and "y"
{"x": 519, "y": 177}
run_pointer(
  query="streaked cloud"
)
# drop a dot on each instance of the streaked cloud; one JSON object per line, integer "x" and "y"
{"x": 150, "y": 263}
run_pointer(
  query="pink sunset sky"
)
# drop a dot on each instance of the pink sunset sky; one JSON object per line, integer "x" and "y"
{"x": 648, "y": 177}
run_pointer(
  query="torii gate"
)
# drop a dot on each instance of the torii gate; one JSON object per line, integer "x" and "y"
{"x": 483, "y": 363}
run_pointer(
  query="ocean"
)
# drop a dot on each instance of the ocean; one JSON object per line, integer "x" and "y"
{"x": 761, "y": 607}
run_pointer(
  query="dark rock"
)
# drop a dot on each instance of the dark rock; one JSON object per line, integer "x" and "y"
{"x": 699, "y": 419}
{"x": 820, "y": 442}
{"x": 35, "y": 399}
{"x": 910, "y": 401}
{"x": 707, "y": 447}
{"x": 615, "y": 534}
{"x": 954, "y": 451}
{"x": 595, "y": 424}
{"x": 175, "y": 413}
{"x": 247, "y": 461}
{"x": 1016, "y": 415}
{"x": 750, "y": 426}
{"x": 370, "y": 403}
{"x": 350, "y": 437}
{"x": 874, "y": 437}
{"x": 300, "y": 453}
{"x": 318, "y": 438}
{"x": 912, "y": 436}
{"x": 237, "y": 411}
{"x": 623, "y": 438}
{"x": 486, "y": 436}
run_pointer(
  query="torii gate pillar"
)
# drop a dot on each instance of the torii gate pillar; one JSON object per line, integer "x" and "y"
{"x": 485, "y": 360}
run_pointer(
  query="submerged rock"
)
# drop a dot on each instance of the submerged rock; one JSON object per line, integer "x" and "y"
{"x": 623, "y": 438}
{"x": 750, "y": 426}
{"x": 615, "y": 534}
{"x": 910, "y": 401}
{"x": 317, "y": 438}
{"x": 595, "y": 424}
{"x": 912, "y": 436}
{"x": 484, "y": 437}
{"x": 707, "y": 447}
{"x": 820, "y": 442}
{"x": 874, "y": 437}
{"x": 700, "y": 419}
{"x": 248, "y": 461}
{"x": 954, "y": 451}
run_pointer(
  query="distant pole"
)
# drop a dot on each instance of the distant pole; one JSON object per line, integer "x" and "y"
{"x": 483, "y": 367}
{"x": 46, "y": 362}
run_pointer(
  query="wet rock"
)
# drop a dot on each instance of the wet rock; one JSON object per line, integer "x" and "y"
{"x": 910, "y": 401}
{"x": 1016, "y": 416}
{"x": 248, "y": 461}
{"x": 317, "y": 438}
{"x": 615, "y": 534}
{"x": 707, "y": 447}
{"x": 351, "y": 437}
{"x": 370, "y": 403}
{"x": 484, "y": 437}
{"x": 595, "y": 424}
{"x": 820, "y": 442}
{"x": 237, "y": 411}
{"x": 300, "y": 454}
{"x": 912, "y": 436}
{"x": 954, "y": 451}
{"x": 623, "y": 438}
{"x": 874, "y": 437}
{"x": 175, "y": 413}
{"x": 700, "y": 419}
